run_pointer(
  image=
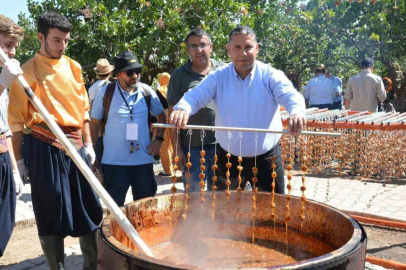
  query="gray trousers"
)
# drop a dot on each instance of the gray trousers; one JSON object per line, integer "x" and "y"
{"x": 53, "y": 247}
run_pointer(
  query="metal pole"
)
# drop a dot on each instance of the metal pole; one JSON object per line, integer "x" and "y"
{"x": 87, "y": 172}
{"x": 311, "y": 133}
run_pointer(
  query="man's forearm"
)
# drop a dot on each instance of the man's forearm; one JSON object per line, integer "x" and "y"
{"x": 94, "y": 130}
{"x": 18, "y": 144}
{"x": 161, "y": 118}
{"x": 1, "y": 89}
{"x": 347, "y": 104}
{"x": 173, "y": 133}
{"x": 87, "y": 138}
{"x": 11, "y": 153}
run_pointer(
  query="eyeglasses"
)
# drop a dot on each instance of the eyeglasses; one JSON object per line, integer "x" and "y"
{"x": 131, "y": 72}
{"x": 202, "y": 46}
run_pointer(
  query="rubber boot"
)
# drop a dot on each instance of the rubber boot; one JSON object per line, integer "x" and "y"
{"x": 53, "y": 251}
{"x": 88, "y": 245}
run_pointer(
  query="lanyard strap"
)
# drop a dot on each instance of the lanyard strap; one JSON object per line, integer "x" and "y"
{"x": 130, "y": 109}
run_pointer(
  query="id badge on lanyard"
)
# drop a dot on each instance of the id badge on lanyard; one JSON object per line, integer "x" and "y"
{"x": 132, "y": 132}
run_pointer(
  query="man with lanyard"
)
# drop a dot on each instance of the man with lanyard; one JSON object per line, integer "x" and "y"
{"x": 338, "y": 100}
{"x": 183, "y": 79}
{"x": 11, "y": 186}
{"x": 64, "y": 202}
{"x": 246, "y": 93}
{"x": 320, "y": 91}
{"x": 128, "y": 153}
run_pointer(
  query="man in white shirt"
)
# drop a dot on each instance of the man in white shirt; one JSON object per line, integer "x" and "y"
{"x": 338, "y": 100}
{"x": 11, "y": 185}
{"x": 103, "y": 70}
{"x": 320, "y": 90}
{"x": 246, "y": 93}
{"x": 364, "y": 89}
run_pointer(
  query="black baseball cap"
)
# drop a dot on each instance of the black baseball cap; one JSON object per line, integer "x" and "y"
{"x": 125, "y": 61}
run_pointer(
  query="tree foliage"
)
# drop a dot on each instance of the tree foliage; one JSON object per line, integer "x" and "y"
{"x": 293, "y": 35}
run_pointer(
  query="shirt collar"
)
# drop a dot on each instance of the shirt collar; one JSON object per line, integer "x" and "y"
{"x": 188, "y": 65}
{"x": 251, "y": 75}
{"x": 125, "y": 92}
{"x": 49, "y": 61}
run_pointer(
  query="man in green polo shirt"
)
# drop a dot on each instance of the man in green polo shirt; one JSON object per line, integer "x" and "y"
{"x": 183, "y": 79}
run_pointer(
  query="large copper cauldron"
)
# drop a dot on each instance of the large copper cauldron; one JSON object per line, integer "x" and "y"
{"x": 330, "y": 225}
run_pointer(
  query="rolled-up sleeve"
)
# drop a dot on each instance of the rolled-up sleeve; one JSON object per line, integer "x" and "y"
{"x": 381, "y": 92}
{"x": 17, "y": 108}
{"x": 285, "y": 94}
{"x": 98, "y": 107}
{"x": 200, "y": 96}
{"x": 307, "y": 91}
{"x": 348, "y": 91}
{"x": 156, "y": 105}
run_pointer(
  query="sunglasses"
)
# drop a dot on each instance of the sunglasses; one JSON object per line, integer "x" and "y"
{"x": 131, "y": 72}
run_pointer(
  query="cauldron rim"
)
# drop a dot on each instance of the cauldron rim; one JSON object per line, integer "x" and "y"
{"x": 146, "y": 261}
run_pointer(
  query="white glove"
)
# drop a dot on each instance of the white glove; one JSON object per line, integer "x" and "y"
{"x": 22, "y": 169}
{"x": 18, "y": 183}
{"x": 11, "y": 69}
{"x": 89, "y": 151}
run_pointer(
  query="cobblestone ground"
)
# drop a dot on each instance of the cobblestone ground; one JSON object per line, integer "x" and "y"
{"x": 371, "y": 200}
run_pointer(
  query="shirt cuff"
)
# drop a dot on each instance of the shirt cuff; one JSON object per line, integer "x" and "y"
{"x": 17, "y": 127}
{"x": 87, "y": 116}
{"x": 8, "y": 134}
{"x": 182, "y": 107}
{"x": 297, "y": 111}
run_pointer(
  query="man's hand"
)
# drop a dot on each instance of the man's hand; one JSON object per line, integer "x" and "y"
{"x": 22, "y": 169}
{"x": 297, "y": 123}
{"x": 154, "y": 147}
{"x": 90, "y": 154}
{"x": 18, "y": 183}
{"x": 182, "y": 159}
{"x": 179, "y": 118}
{"x": 11, "y": 69}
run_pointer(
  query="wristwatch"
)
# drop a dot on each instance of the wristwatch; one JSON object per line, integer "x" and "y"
{"x": 159, "y": 138}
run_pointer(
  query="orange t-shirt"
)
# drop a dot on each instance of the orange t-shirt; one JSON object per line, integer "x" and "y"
{"x": 58, "y": 83}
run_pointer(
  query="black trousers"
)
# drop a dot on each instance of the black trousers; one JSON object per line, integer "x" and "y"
{"x": 264, "y": 163}
{"x": 7, "y": 201}
{"x": 64, "y": 202}
{"x": 322, "y": 106}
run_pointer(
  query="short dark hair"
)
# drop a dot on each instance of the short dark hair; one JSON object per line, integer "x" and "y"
{"x": 198, "y": 32}
{"x": 50, "y": 20}
{"x": 367, "y": 63}
{"x": 242, "y": 29}
{"x": 320, "y": 69}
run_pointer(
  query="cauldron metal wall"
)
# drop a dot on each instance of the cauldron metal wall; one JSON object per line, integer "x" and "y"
{"x": 327, "y": 223}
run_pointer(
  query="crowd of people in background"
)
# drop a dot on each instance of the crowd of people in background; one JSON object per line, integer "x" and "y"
{"x": 110, "y": 125}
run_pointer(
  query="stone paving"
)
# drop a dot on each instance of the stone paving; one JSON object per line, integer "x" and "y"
{"x": 371, "y": 199}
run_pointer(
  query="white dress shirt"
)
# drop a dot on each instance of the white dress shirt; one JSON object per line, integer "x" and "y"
{"x": 249, "y": 103}
{"x": 320, "y": 90}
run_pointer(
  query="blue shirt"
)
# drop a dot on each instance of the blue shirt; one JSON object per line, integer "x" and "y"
{"x": 320, "y": 90}
{"x": 249, "y": 103}
{"x": 116, "y": 147}
{"x": 338, "y": 84}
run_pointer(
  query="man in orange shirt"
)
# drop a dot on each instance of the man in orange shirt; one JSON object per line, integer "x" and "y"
{"x": 64, "y": 202}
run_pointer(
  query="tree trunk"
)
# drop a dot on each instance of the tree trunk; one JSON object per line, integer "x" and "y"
{"x": 400, "y": 91}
